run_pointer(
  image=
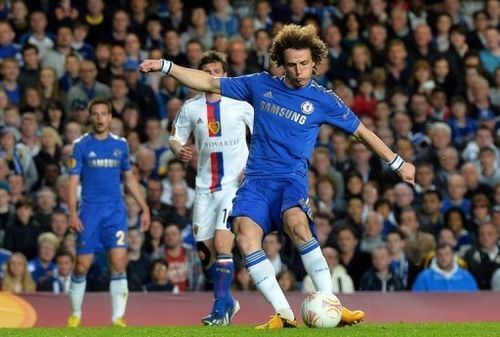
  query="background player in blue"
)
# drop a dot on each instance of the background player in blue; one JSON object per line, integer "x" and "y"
{"x": 100, "y": 160}
{"x": 288, "y": 115}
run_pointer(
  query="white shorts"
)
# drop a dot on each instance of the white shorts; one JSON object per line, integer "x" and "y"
{"x": 211, "y": 211}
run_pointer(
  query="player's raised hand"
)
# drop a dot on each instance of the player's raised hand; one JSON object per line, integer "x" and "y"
{"x": 148, "y": 66}
{"x": 145, "y": 220}
{"x": 185, "y": 153}
{"x": 75, "y": 223}
{"x": 407, "y": 173}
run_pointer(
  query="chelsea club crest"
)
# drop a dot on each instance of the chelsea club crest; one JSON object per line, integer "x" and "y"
{"x": 307, "y": 108}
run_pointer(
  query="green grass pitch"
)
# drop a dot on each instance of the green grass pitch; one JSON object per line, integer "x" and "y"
{"x": 363, "y": 330}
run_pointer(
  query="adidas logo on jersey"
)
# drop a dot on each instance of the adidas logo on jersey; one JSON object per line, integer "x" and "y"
{"x": 268, "y": 94}
{"x": 92, "y": 154}
{"x": 200, "y": 121}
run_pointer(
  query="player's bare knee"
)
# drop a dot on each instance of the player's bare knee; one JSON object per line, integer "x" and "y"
{"x": 118, "y": 264}
{"x": 299, "y": 232}
{"x": 81, "y": 269}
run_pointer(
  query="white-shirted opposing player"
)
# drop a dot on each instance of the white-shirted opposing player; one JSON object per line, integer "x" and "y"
{"x": 219, "y": 127}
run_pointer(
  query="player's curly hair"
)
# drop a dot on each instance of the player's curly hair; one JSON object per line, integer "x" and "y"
{"x": 297, "y": 37}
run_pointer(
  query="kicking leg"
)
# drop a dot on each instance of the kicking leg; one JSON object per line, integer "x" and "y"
{"x": 249, "y": 237}
{"x": 297, "y": 228}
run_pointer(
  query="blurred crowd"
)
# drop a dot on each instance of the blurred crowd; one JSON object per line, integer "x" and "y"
{"x": 424, "y": 75}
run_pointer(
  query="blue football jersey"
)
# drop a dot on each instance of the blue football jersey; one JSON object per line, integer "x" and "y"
{"x": 100, "y": 164}
{"x": 286, "y": 121}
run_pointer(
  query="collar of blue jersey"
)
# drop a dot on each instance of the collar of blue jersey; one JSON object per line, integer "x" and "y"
{"x": 282, "y": 78}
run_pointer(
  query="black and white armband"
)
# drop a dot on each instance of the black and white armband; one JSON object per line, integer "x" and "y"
{"x": 166, "y": 66}
{"x": 396, "y": 163}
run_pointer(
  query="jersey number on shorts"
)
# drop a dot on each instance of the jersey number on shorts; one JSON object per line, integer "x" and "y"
{"x": 226, "y": 214}
{"x": 120, "y": 238}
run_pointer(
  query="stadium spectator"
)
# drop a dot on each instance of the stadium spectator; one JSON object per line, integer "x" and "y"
{"x": 380, "y": 276}
{"x": 71, "y": 72}
{"x": 286, "y": 280}
{"x": 455, "y": 220}
{"x": 197, "y": 29}
{"x": 80, "y": 33}
{"x": 18, "y": 19}
{"x": 418, "y": 243}
{"x": 10, "y": 83}
{"x": 445, "y": 235}
{"x": 88, "y": 88}
{"x": 484, "y": 259}
{"x": 59, "y": 282}
{"x": 272, "y": 247}
{"x": 49, "y": 86}
{"x": 456, "y": 195}
{"x": 353, "y": 216}
{"x": 444, "y": 274}
{"x": 489, "y": 173}
{"x": 481, "y": 212}
{"x": 139, "y": 262}
{"x": 7, "y": 213}
{"x": 238, "y": 59}
{"x": 355, "y": 261}
{"x": 43, "y": 265}
{"x": 322, "y": 164}
{"x": 17, "y": 188}
{"x": 400, "y": 265}
{"x": 178, "y": 211}
{"x": 154, "y": 238}
{"x": 140, "y": 93}
{"x": 323, "y": 229}
{"x": 22, "y": 236}
{"x": 30, "y": 69}
{"x": 56, "y": 57}
{"x": 372, "y": 232}
{"x": 154, "y": 191}
{"x": 16, "y": 277}
{"x": 59, "y": 225}
{"x": 159, "y": 277}
{"x": 176, "y": 173}
{"x": 46, "y": 203}
{"x": 97, "y": 20}
{"x": 184, "y": 267}
{"x": 431, "y": 219}
{"x": 223, "y": 19}
{"x": 37, "y": 34}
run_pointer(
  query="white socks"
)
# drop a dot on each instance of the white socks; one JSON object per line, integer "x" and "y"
{"x": 118, "y": 289}
{"x": 315, "y": 265}
{"x": 262, "y": 274}
{"x": 76, "y": 292}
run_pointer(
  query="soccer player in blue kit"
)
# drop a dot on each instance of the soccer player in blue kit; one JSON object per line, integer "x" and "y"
{"x": 288, "y": 114}
{"x": 100, "y": 160}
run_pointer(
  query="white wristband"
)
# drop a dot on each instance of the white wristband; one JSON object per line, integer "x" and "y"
{"x": 396, "y": 163}
{"x": 166, "y": 66}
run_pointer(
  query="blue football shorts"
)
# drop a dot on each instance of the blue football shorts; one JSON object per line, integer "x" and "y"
{"x": 105, "y": 227}
{"x": 265, "y": 200}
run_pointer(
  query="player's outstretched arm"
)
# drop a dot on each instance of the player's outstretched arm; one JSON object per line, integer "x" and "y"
{"x": 192, "y": 78}
{"x": 134, "y": 189}
{"x": 74, "y": 221}
{"x": 405, "y": 170}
